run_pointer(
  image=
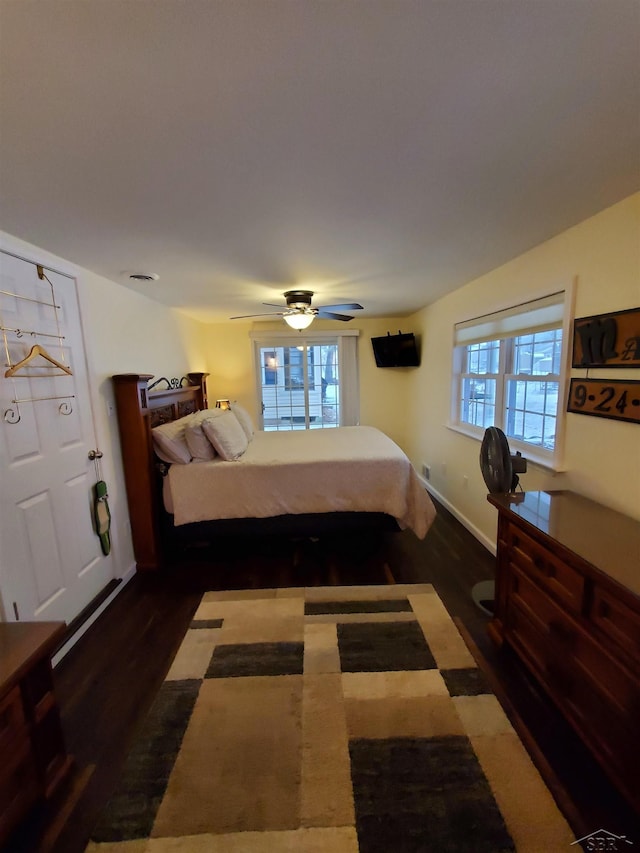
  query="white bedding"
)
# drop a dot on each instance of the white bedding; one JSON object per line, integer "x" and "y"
{"x": 346, "y": 469}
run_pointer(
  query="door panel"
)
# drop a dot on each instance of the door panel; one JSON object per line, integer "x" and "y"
{"x": 80, "y": 549}
{"x": 51, "y": 563}
{"x": 39, "y": 532}
{"x": 299, "y": 385}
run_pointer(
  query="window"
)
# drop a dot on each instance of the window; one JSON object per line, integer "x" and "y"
{"x": 507, "y": 373}
{"x": 307, "y": 381}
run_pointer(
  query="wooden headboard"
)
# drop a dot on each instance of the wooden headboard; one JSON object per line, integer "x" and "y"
{"x": 139, "y": 410}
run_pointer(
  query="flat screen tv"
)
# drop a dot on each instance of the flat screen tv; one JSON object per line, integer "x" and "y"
{"x": 399, "y": 350}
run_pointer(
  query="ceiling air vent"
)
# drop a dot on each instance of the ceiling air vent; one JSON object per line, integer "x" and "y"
{"x": 144, "y": 276}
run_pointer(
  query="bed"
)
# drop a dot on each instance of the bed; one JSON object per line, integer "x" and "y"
{"x": 301, "y": 482}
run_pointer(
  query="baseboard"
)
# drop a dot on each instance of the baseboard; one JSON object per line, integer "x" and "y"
{"x": 464, "y": 521}
{"x": 87, "y": 623}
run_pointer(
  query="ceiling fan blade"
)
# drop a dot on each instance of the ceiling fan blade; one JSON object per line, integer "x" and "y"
{"x": 346, "y": 306}
{"x": 266, "y": 314}
{"x": 273, "y": 305}
{"x": 330, "y": 315}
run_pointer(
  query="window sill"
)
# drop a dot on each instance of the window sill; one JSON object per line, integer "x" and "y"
{"x": 528, "y": 452}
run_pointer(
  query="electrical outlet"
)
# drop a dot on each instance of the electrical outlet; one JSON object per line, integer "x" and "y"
{"x": 426, "y": 471}
{"x": 110, "y": 408}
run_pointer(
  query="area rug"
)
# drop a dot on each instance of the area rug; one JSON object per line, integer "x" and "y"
{"x": 328, "y": 720}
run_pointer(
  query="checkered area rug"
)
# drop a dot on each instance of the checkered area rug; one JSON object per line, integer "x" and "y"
{"x": 328, "y": 720}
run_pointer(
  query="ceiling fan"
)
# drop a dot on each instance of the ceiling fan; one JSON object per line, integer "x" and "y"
{"x": 298, "y": 312}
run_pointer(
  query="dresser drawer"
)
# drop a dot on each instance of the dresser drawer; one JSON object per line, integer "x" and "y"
{"x": 616, "y": 620}
{"x": 527, "y": 636}
{"x": 33, "y": 761}
{"x": 550, "y": 619}
{"x": 37, "y": 686}
{"x": 589, "y": 707}
{"x": 19, "y": 789}
{"x": 611, "y": 731}
{"x": 540, "y": 630}
{"x": 604, "y": 674}
{"x": 554, "y": 575}
{"x": 564, "y": 652}
{"x": 13, "y": 731}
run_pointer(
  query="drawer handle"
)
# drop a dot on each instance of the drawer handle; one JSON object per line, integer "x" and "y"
{"x": 603, "y": 609}
{"x": 541, "y": 565}
{"x": 545, "y": 568}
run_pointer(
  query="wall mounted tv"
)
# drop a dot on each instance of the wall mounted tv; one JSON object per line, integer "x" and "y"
{"x": 399, "y": 350}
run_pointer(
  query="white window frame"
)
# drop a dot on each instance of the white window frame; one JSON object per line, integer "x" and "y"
{"x": 487, "y": 327}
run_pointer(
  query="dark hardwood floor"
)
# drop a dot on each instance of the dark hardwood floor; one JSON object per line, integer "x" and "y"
{"x": 106, "y": 683}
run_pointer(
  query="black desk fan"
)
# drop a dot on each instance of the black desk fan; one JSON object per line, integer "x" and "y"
{"x": 500, "y": 469}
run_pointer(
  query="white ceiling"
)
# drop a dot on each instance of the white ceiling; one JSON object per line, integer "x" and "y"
{"x": 382, "y": 151}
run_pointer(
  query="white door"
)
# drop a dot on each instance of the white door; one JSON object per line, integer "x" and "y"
{"x": 51, "y": 561}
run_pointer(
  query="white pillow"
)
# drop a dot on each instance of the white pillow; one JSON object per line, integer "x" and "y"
{"x": 199, "y": 445}
{"x": 170, "y": 443}
{"x": 226, "y": 435}
{"x": 244, "y": 418}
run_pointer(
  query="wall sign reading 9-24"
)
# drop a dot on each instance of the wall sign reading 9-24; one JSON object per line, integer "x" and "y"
{"x": 617, "y": 399}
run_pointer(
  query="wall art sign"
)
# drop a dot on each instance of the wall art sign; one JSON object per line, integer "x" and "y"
{"x": 607, "y": 340}
{"x": 616, "y": 399}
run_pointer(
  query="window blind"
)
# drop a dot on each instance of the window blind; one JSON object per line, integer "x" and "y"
{"x": 538, "y": 315}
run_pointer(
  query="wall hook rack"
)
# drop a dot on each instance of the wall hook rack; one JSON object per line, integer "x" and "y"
{"x": 13, "y": 416}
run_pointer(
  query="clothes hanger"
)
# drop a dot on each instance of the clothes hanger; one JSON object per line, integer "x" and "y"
{"x": 37, "y": 350}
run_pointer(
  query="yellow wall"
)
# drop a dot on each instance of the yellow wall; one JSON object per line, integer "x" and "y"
{"x": 383, "y": 390}
{"x": 602, "y": 457}
{"x": 229, "y": 359}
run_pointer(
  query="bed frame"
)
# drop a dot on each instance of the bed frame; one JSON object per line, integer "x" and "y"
{"x": 154, "y": 537}
{"x": 139, "y": 410}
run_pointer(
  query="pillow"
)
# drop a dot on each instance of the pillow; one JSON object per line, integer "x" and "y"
{"x": 199, "y": 445}
{"x": 169, "y": 441}
{"x": 244, "y": 419}
{"x": 226, "y": 435}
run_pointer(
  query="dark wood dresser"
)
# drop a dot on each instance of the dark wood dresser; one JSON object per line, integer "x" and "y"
{"x": 33, "y": 760}
{"x": 568, "y": 603}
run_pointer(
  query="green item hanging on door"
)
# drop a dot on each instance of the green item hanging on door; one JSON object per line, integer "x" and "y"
{"x": 102, "y": 516}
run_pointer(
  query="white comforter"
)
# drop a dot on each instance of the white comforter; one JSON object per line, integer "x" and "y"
{"x": 347, "y": 469}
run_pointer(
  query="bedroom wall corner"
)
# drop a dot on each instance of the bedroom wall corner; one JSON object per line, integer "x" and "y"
{"x": 383, "y": 392}
{"x": 229, "y": 361}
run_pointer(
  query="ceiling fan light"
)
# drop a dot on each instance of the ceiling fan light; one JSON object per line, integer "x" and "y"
{"x": 298, "y": 321}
